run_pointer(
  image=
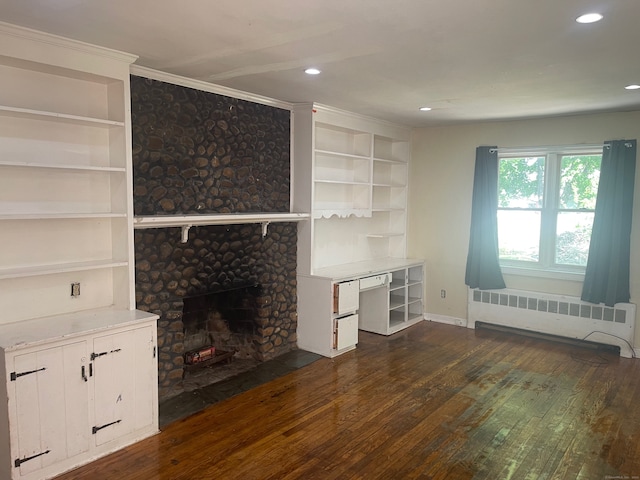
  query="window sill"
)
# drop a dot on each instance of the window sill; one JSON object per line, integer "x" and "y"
{"x": 539, "y": 273}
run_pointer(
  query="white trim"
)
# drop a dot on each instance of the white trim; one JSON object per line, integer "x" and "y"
{"x": 58, "y": 41}
{"x": 146, "y": 72}
{"x": 546, "y": 149}
{"x": 542, "y": 273}
{"x": 434, "y": 317}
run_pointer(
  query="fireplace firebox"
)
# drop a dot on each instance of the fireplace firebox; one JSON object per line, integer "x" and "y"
{"x": 224, "y": 320}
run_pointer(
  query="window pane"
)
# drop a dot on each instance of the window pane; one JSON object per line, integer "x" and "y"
{"x": 573, "y": 233}
{"x": 521, "y": 182}
{"x": 519, "y": 235}
{"x": 579, "y": 175}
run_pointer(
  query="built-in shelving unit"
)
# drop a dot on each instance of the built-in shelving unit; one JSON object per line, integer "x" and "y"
{"x": 351, "y": 174}
{"x": 65, "y": 195}
{"x": 66, "y": 262}
{"x": 405, "y": 298}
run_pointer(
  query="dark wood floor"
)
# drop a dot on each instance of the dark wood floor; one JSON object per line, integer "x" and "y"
{"x": 432, "y": 402}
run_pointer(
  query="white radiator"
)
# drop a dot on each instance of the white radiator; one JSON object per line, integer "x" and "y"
{"x": 560, "y": 315}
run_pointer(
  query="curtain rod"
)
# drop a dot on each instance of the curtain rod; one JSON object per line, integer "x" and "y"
{"x": 555, "y": 147}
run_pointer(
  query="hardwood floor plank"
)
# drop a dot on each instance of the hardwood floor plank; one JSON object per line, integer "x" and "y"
{"x": 432, "y": 402}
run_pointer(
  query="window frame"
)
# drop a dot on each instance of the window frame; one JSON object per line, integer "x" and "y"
{"x": 546, "y": 266}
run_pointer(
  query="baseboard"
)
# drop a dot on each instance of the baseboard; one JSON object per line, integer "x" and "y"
{"x": 434, "y": 317}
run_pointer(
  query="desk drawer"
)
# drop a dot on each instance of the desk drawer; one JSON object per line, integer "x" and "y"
{"x": 375, "y": 281}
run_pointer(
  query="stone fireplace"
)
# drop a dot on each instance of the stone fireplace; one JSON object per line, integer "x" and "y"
{"x": 199, "y": 153}
{"x": 215, "y": 259}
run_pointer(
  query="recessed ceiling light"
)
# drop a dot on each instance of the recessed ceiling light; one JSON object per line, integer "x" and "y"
{"x": 425, "y": 109}
{"x": 312, "y": 71}
{"x": 589, "y": 18}
{"x": 632, "y": 87}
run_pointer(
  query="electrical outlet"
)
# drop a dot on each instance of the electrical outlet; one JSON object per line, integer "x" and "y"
{"x": 443, "y": 293}
{"x": 75, "y": 289}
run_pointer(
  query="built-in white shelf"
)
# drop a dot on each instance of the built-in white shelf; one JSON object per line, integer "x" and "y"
{"x": 37, "y": 270}
{"x": 385, "y": 235}
{"x": 59, "y": 216}
{"x": 90, "y": 168}
{"x": 341, "y": 154}
{"x": 342, "y": 182}
{"x": 62, "y": 117}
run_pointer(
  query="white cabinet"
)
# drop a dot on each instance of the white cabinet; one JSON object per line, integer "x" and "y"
{"x": 76, "y": 390}
{"x": 380, "y": 296}
{"x": 48, "y": 394}
{"x": 351, "y": 174}
{"x": 330, "y": 325}
{"x": 122, "y": 402}
{"x": 65, "y": 176}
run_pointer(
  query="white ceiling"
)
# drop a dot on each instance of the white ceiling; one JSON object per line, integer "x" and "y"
{"x": 469, "y": 60}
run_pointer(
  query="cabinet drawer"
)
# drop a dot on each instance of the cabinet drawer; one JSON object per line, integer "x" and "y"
{"x": 375, "y": 281}
{"x": 346, "y": 332}
{"x": 346, "y": 297}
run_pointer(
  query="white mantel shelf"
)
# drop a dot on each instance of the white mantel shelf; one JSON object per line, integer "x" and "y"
{"x": 187, "y": 221}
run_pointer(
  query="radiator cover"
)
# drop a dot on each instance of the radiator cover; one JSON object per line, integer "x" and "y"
{"x": 561, "y": 315}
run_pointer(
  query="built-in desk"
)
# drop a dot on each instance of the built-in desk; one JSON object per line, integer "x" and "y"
{"x": 389, "y": 299}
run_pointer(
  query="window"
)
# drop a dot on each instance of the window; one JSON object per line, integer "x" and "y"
{"x": 546, "y": 203}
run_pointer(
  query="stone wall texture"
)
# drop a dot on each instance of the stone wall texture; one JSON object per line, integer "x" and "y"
{"x": 201, "y": 153}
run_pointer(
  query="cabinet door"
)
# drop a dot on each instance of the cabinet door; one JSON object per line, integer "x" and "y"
{"x": 124, "y": 366}
{"x": 50, "y": 406}
{"x": 346, "y": 297}
{"x": 346, "y": 332}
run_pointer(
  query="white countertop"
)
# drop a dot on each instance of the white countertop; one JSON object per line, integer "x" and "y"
{"x": 41, "y": 330}
{"x": 365, "y": 268}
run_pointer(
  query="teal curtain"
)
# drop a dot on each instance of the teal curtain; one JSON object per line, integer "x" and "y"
{"x": 606, "y": 278}
{"x": 483, "y": 267}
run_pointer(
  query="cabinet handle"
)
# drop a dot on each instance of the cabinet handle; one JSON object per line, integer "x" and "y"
{"x": 95, "y": 430}
{"x": 19, "y": 461}
{"x": 91, "y": 369}
{"x": 84, "y": 374}
{"x": 14, "y": 376}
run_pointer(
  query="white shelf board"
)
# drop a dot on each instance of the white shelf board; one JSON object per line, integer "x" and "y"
{"x": 37, "y": 270}
{"x": 342, "y": 182}
{"x": 8, "y": 163}
{"x": 395, "y": 301}
{"x": 389, "y": 160}
{"x": 62, "y": 117}
{"x": 384, "y": 235}
{"x": 163, "y": 221}
{"x": 58, "y": 216}
{"x": 388, "y": 185}
{"x": 341, "y": 154}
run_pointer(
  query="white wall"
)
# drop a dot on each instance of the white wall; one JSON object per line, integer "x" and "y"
{"x": 441, "y": 183}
